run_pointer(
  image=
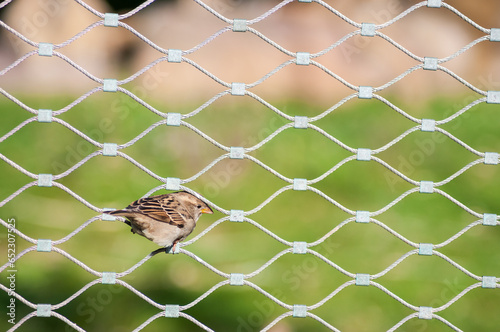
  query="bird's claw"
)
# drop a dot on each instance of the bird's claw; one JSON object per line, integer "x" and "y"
{"x": 171, "y": 249}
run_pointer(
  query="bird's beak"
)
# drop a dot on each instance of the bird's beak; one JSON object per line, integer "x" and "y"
{"x": 207, "y": 210}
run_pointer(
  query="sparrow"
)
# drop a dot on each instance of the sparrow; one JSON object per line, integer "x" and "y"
{"x": 164, "y": 219}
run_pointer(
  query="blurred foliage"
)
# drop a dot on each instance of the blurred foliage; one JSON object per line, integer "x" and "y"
{"x": 242, "y": 184}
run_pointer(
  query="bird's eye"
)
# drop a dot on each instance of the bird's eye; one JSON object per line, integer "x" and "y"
{"x": 199, "y": 206}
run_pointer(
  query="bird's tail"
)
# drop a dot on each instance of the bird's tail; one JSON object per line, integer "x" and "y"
{"x": 121, "y": 213}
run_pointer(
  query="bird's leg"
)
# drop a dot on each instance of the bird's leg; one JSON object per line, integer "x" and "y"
{"x": 171, "y": 248}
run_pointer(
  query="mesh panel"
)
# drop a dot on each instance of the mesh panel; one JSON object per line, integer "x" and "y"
{"x": 294, "y": 246}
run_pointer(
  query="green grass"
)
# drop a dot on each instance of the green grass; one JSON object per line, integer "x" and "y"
{"x": 242, "y": 184}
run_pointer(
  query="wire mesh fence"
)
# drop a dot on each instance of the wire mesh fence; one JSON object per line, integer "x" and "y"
{"x": 400, "y": 171}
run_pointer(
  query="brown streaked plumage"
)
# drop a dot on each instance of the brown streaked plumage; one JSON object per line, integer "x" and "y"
{"x": 164, "y": 219}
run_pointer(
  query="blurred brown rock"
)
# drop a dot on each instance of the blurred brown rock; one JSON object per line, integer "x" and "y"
{"x": 244, "y": 57}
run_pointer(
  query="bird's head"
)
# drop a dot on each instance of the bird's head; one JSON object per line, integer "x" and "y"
{"x": 194, "y": 205}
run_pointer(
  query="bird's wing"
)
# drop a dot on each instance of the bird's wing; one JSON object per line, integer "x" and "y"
{"x": 163, "y": 208}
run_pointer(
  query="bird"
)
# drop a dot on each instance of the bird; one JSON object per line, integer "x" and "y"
{"x": 164, "y": 219}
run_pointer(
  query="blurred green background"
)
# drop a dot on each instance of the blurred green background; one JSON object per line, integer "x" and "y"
{"x": 51, "y": 213}
{"x": 114, "y": 182}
